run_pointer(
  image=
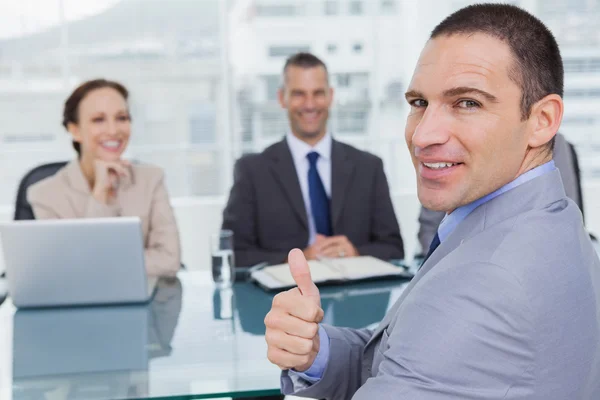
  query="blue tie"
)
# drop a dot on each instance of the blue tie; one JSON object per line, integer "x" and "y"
{"x": 319, "y": 202}
{"x": 434, "y": 245}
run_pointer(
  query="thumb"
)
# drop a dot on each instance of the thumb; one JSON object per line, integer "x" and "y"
{"x": 301, "y": 274}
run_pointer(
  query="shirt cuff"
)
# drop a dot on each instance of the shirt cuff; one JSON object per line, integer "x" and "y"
{"x": 316, "y": 370}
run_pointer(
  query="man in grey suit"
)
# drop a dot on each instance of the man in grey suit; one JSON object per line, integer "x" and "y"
{"x": 506, "y": 306}
{"x": 309, "y": 190}
{"x": 429, "y": 220}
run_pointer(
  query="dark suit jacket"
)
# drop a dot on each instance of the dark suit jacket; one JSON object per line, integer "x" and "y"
{"x": 267, "y": 214}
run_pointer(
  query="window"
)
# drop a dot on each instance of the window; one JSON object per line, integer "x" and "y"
{"x": 272, "y": 83}
{"x": 590, "y": 92}
{"x": 197, "y": 106}
{"x": 580, "y": 120}
{"x": 29, "y": 138}
{"x": 574, "y": 65}
{"x": 203, "y": 177}
{"x": 286, "y": 51}
{"x": 388, "y": 6}
{"x": 355, "y": 7}
{"x": 343, "y": 80}
{"x": 351, "y": 120}
{"x": 272, "y": 122}
{"x": 394, "y": 91}
{"x": 352, "y": 87}
{"x": 276, "y": 10}
{"x": 581, "y": 65}
{"x": 203, "y": 122}
{"x": 331, "y": 7}
{"x": 150, "y": 57}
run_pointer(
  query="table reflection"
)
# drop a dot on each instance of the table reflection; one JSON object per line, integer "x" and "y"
{"x": 93, "y": 352}
{"x": 356, "y": 306}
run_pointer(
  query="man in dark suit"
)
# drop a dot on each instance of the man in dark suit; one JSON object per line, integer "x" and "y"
{"x": 309, "y": 190}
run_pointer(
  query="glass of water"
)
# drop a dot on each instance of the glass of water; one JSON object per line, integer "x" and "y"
{"x": 221, "y": 247}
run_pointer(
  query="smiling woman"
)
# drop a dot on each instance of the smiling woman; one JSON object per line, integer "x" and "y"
{"x": 99, "y": 183}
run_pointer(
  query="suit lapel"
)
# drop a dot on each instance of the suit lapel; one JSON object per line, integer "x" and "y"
{"x": 472, "y": 225}
{"x": 283, "y": 168}
{"x": 76, "y": 178}
{"x": 537, "y": 193}
{"x": 342, "y": 170}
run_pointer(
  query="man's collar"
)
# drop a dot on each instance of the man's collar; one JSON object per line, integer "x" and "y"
{"x": 300, "y": 149}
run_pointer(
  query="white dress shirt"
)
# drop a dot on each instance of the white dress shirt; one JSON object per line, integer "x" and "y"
{"x": 300, "y": 150}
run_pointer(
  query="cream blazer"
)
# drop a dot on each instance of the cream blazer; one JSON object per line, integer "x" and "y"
{"x": 67, "y": 195}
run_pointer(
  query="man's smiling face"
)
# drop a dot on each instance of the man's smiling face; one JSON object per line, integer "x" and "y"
{"x": 465, "y": 130}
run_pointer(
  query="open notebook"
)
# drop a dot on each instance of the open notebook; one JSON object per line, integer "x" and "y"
{"x": 330, "y": 270}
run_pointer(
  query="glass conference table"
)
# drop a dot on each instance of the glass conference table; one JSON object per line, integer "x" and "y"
{"x": 192, "y": 341}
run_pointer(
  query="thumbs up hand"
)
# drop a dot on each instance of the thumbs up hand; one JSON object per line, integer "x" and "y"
{"x": 292, "y": 324}
{"x": 301, "y": 274}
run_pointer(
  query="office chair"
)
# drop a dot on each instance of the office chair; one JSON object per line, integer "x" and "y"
{"x": 579, "y": 189}
{"x": 578, "y": 175}
{"x": 3, "y": 290}
{"x": 23, "y": 209}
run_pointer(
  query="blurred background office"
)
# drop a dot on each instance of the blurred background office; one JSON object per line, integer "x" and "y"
{"x": 204, "y": 76}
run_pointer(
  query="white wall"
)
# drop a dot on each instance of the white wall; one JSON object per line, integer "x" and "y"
{"x": 199, "y": 217}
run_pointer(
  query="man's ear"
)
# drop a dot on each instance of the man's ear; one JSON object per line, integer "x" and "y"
{"x": 546, "y": 116}
{"x": 281, "y": 97}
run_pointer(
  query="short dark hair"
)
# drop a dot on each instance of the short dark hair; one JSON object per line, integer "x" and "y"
{"x": 303, "y": 60}
{"x": 71, "y": 109}
{"x": 538, "y": 67}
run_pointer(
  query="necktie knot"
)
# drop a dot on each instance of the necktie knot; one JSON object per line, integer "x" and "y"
{"x": 313, "y": 156}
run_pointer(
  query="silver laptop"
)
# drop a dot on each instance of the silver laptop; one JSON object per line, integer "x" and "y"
{"x": 72, "y": 262}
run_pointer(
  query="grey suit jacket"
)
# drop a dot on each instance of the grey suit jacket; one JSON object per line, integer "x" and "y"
{"x": 267, "y": 214}
{"x": 429, "y": 220}
{"x": 508, "y": 307}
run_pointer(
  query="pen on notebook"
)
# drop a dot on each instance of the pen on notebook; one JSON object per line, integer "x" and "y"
{"x": 257, "y": 267}
{"x": 332, "y": 263}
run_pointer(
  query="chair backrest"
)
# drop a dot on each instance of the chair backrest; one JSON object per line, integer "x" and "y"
{"x": 578, "y": 175}
{"x": 579, "y": 189}
{"x": 23, "y": 209}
